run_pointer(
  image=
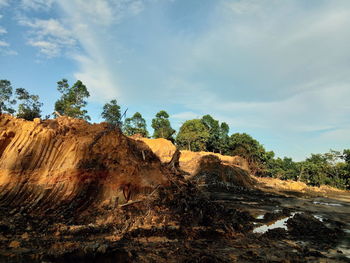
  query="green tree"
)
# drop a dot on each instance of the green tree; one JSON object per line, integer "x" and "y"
{"x": 245, "y": 146}
{"x": 285, "y": 169}
{"x": 30, "y": 106}
{"x": 111, "y": 113}
{"x": 6, "y": 97}
{"x": 212, "y": 125}
{"x": 72, "y": 101}
{"x": 326, "y": 169}
{"x": 162, "y": 127}
{"x": 193, "y": 135}
{"x": 224, "y": 138}
{"x": 135, "y": 125}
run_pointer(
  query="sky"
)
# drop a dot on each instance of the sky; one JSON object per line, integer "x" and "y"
{"x": 277, "y": 70}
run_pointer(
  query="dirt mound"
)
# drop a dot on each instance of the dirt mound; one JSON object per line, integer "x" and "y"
{"x": 61, "y": 180}
{"x": 190, "y": 161}
{"x": 296, "y": 188}
{"x": 212, "y": 172}
{"x": 51, "y": 163}
{"x": 205, "y": 167}
{"x": 163, "y": 148}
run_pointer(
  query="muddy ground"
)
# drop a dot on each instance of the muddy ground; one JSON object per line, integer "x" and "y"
{"x": 184, "y": 223}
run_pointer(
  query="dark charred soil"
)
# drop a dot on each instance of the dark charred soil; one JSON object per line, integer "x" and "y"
{"x": 184, "y": 223}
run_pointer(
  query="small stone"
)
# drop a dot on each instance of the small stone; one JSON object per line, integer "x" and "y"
{"x": 25, "y": 236}
{"x": 37, "y": 120}
{"x": 14, "y": 244}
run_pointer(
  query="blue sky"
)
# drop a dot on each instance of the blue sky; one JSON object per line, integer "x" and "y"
{"x": 278, "y": 70}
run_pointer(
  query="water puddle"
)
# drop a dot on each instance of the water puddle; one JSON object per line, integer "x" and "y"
{"x": 319, "y": 218}
{"x": 281, "y": 223}
{"x": 345, "y": 250}
{"x": 327, "y": 204}
{"x": 260, "y": 217}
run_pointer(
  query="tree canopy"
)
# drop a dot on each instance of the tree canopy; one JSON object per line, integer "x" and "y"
{"x": 162, "y": 127}
{"x": 73, "y": 100}
{"x": 247, "y": 147}
{"x": 204, "y": 134}
{"x": 218, "y": 134}
{"x": 6, "y": 97}
{"x": 30, "y": 106}
{"x": 193, "y": 135}
{"x": 135, "y": 125}
{"x": 111, "y": 113}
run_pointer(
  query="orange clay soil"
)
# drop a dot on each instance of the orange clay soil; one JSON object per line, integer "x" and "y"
{"x": 47, "y": 163}
{"x": 289, "y": 187}
{"x": 65, "y": 183}
{"x": 227, "y": 169}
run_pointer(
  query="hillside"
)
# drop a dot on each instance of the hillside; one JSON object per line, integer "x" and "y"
{"x": 71, "y": 191}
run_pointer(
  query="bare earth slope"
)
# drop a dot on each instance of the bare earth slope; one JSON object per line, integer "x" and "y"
{"x": 67, "y": 161}
{"x": 71, "y": 191}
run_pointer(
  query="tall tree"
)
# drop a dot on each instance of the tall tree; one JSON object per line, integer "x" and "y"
{"x": 212, "y": 125}
{"x": 72, "y": 101}
{"x": 218, "y": 134}
{"x": 193, "y": 135}
{"x": 162, "y": 127}
{"x": 111, "y": 113}
{"x": 245, "y": 146}
{"x": 135, "y": 125}
{"x": 30, "y": 106}
{"x": 224, "y": 138}
{"x": 6, "y": 97}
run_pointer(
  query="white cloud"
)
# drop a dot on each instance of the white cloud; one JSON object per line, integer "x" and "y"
{"x": 4, "y": 44}
{"x": 94, "y": 74}
{"x": 136, "y": 7}
{"x": 264, "y": 65}
{"x": 50, "y": 36}
{"x": 187, "y": 115}
{"x": 37, "y": 4}
{"x": 50, "y": 49}
{"x": 4, "y": 3}
{"x": 5, "y": 49}
{"x": 93, "y": 27}
{"x": 2, "y": 30}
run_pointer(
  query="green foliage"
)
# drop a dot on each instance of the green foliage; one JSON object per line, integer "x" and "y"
{"x": 193, "y": 135}
{"x": 213, "y": 128}
{"x": 162, "y": 127}
{"x": 111, "y": 113}
{"x": 5, "y": 97}
{"x": 72, "y": 101}
{"x": 135, "y": 125}
{"x": 319, "y": 169}
{"x": 245, "y": 146}
{"x": 30, "y": 106}
{"x": 224, "y": 138}
{"x": 327, "y": 168}
{"x": 285, "y": 169}
{"x": 218, "y": 135}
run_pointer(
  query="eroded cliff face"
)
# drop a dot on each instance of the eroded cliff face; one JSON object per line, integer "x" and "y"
{"x": 47, "y": 164}
{"x": 64, "y": 184}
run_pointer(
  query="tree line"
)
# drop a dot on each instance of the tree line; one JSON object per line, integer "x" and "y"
{"x": 202, "y": 134}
